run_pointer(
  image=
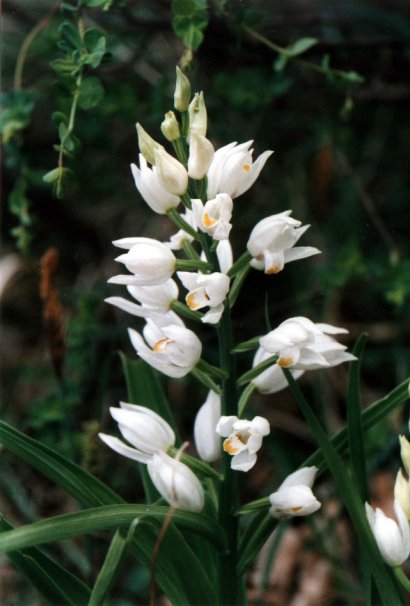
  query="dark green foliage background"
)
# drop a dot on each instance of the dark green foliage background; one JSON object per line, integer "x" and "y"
{"x": 341, "y": 163}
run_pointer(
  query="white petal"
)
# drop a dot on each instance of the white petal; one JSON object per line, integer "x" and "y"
{"x": 123, "y": 449}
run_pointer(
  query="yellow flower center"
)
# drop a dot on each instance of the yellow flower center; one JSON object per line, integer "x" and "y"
{"x": 161, "y": 345}
{"x": 285, "y": 362}
{"x": 208, "y": 221}
{"x": 274, "y": 269}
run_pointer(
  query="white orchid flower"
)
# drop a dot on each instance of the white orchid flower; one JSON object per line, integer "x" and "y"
{"x": 243, "y": 439}
{"x": 176, "y": 483}
{"x": 232, "y": 170}
{"x": 392, "y": 537}
{"x": 206, "y": 290}
{"x": 154, "y": 299}
{"x": 171, "y": 173}
{"x": 402, "y": 493}
{"x": 176, "y": 240}
{"x": 201, "y": 153}
{"x": 214, "y": 216}
{"x": 225, "y": 255}
{"x": 272, "y": 243}
{"x": 143, "y": 428}
{"x": 172, "y": 349}
{"x": 302, "y": 345}
{"x": 207, "y": 441}
{"x": 294, "y": 496}
{"x": 273, "y": 378}
{"x": 150, "y": 262}
{"x": 150, "y": 187}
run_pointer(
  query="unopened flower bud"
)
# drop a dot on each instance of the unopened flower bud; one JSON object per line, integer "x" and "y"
{"x": 170, "y": 127}
{"x": 182, "y": 93}
{"x": 197, "y": 115}
{"x": 146, "y": 144}
{"x": 405, "y": 452}
{"x": 201, "y": 153}
{"x": 171, "y": 173}
{"x": 392, "y": 537}
{"x": 176, "y": 483}
{"x": 402, "y": 493}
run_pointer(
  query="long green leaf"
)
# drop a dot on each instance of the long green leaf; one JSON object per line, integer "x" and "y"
{"x": 55, "y": 583}
{"x": 372, "y": 415}
{"x": 350, "y": 497}
{"x": 257, "y": 531}
{"x": 86, "y": 488}
{"x": 174, "y": 553}
{"x": 120, "y": 543}
{"x": 106, "y": 517}
{"x": 354, "y": 426}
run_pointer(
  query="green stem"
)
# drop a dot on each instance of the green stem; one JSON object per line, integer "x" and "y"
{"x": 219, "y": 373}
{"x": 243, "y": 400}
{"x": 254, "y": 372}
{"x": 182, "y": 310}
{"x": 189, "y": 250}
{"x": 180, "y": 222}
{"x": 180, "y": 151}
{"x": 27, "y": 42}
{"x": 239, "y": 264}
{"x": 206, "y": 380}
{"x": 191, "y": 264}
{"x": 402, "y": 578}
{"x": 321, "y": 69}
{"x": 184, "y": 124}
{"x": 229, "y": 583}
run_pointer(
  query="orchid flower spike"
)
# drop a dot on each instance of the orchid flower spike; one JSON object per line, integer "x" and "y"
{"x": 302, "y": 345}
{"x": 392, "y": 537}
{"x": 207, "y": 441}
{"x": 272, "y": 243}
{"x": 172, "y": 349}
{"x": 175, "y": 482}
{"x": 273, "y": 378}
{"x": 214, "y": 216}
{"x": 232, "y": 170}
{"x": 294, "y": 496}
{"x": 150, "y": 262}
{"x": 206, "y": 290}
{"x": 151, "y": 189}
{"x": 243, "y": 439}
{"x": 143, "y": 428}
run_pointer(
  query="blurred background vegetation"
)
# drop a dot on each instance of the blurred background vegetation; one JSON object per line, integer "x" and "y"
{"x": 323, "y": 83}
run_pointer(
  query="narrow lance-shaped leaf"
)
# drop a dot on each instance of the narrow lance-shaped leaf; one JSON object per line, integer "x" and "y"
{"x": 120, "y": 543}
{"x": 354, "y": 422}
{"x": 55, "y": 583}
{"x": 174, "y": 553}
{"x": 350, "y": 498}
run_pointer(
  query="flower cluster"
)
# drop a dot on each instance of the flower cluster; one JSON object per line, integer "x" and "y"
{"x": 196, "y": 189}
